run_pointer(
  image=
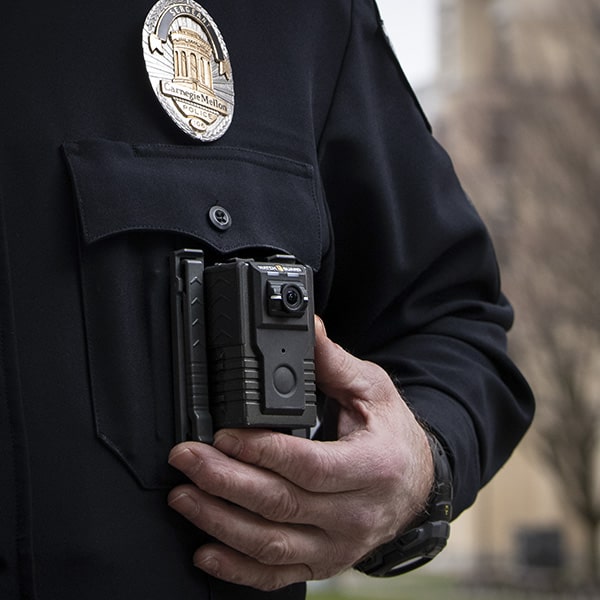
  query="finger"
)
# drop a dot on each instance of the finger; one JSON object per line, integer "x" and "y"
{"x": 227, "y": 564}
{"x": 258, "y": 490}
{"x": 243, "y": 530}
{"x": 348, "y": 379}
{"x": 323, "y": 467}
{"x": 266, "y": 542}
{"x": 263, "y": 491}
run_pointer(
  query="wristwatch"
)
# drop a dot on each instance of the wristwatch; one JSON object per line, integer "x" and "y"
{"x": 418, "y": 545}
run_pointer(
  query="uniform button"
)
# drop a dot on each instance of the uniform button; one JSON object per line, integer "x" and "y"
{"x": 219, "y": 218}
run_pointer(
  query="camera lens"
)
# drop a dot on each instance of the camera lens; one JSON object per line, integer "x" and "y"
{"x": 293, "y": 298}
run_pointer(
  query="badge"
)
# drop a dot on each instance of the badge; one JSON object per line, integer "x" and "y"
{"x": 189, "y": 69}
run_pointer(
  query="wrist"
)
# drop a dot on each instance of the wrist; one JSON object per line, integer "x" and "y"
{"x": 425, "y": 485}
{"x": 422, "y": 542}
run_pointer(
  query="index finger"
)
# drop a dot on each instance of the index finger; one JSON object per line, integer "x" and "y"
{"x": 327, "y": 467}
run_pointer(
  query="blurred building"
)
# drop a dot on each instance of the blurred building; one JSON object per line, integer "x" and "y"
{"x": 517, "y": 105}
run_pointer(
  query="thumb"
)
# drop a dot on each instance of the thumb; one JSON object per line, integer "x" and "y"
{"x": 348, "y": 379}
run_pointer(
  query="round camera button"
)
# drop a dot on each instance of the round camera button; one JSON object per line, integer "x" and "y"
{"x": 284, "y": 380}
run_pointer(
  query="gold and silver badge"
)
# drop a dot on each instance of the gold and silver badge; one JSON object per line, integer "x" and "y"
{"x": 189, "y": 68}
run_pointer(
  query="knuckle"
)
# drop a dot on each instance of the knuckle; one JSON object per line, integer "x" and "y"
{"x": 274, "y": 549}
{"x": 365, "y": 522}
{"x": 320, "y": 469}
{"x": 376, "y": 527}
{"x": 325, "y": 466}
{"x": 267, "y": 449}
{"x": 282, "y": 507}
{"x": 219, "y": 481}
{"x": 216, "y": 526}
{"x": 377, "y": 383}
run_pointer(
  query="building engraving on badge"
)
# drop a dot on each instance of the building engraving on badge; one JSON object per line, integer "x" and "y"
{"x": 189, "y": 68}
{"x": 258, "y": 345}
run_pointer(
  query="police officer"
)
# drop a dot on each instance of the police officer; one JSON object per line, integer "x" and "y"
{"x": 133, "y": 129}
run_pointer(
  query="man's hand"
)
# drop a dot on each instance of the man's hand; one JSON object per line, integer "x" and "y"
{"x": 286, "y": 509}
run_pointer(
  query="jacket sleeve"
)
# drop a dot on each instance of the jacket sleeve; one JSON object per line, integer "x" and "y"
{"x": 416, "y": 286}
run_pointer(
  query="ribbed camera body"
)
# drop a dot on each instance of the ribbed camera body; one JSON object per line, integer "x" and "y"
{"x": 260, "y": 344}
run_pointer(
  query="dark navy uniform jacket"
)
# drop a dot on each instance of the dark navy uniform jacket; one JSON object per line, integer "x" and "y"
{"x": 328, "y": 158}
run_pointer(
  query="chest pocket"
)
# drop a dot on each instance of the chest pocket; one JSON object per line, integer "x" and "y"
{"x": 138, "y": 203}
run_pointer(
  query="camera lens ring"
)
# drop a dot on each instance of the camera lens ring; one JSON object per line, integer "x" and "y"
{"x": 293, "y": 298}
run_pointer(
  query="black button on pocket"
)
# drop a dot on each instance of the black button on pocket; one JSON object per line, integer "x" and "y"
{"x": 219, "y": 218}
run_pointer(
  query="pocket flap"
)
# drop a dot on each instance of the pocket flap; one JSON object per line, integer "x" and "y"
{"x": 124, "y": 187}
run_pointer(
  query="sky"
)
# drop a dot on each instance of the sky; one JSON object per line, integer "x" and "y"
{"x": 411, "y": 26}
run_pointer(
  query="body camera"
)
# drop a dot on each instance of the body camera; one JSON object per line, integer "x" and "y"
{"x": 260, "y": 343}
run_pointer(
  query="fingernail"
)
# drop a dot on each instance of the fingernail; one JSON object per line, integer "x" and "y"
{"x": 208, "y": 563}
{"x": 183, "y": 504}
{"x": 319, "y": 324}
{"x": 228, "y": 443}
{"x": 179, "y": 457}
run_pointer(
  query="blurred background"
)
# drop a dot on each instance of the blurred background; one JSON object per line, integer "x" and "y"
{"x": 512, "y": 89}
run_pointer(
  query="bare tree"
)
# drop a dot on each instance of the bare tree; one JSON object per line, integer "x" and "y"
{"x": 526, "y": 140}
{"x": 554, "y": 279}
